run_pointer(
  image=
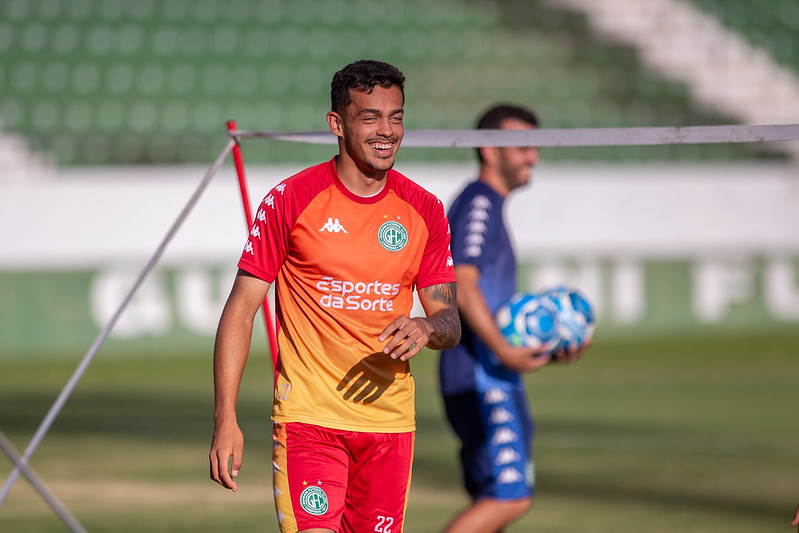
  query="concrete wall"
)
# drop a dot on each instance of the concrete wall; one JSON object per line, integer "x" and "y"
{"x": 659, "y": 249}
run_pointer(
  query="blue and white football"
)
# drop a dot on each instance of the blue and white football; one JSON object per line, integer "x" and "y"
{"x": 576, "y": 320}
{"x": 529, "y": 320}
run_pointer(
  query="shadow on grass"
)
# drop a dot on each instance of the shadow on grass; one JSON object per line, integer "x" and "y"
{"x": 184, "y": 417}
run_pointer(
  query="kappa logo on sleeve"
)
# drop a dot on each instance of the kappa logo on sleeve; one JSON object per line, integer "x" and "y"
{"x": 507, "y": 456}
{"x": 500, "y": 415}
{"x": 504, "y": 435}
{"x": 509, "y": 475}
{"x": 494, "y": 396}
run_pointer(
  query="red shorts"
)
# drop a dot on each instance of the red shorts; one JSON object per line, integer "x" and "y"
{"x": 347, "y": 481}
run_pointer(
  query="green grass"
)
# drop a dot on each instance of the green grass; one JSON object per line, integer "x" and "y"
{"x": 662, "y": 435}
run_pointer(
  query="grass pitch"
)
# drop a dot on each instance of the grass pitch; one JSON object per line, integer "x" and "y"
{"x": 662, "y": 435}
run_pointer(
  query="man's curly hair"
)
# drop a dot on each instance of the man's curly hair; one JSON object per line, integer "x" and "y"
{"x": 363, "y": 75}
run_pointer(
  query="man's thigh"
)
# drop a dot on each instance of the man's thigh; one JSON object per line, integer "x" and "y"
{"x": 379, "y": 481}
{"x": 496, "y": 431}
{"x": 340, "y": 480}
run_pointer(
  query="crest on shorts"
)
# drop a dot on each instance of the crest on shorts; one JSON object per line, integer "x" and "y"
{"x": 313, "y": 500}
{"x": 392, "y": 236}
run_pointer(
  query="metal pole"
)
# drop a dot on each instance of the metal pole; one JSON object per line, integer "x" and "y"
{"x": 35, "y": 481}
{"x": 238, "y": 161}
{"x": 73, "y": 381}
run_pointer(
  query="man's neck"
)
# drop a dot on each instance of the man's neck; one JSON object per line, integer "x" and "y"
{"x": 358, "y": 182}
{"x": 493, "y": 180}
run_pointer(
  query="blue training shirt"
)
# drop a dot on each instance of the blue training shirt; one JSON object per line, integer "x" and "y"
{"x": 479, "y": 237}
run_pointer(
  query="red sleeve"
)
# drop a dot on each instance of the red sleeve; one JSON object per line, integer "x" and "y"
{"x": 436, "y": 266}
{"x": 267, "y": 244}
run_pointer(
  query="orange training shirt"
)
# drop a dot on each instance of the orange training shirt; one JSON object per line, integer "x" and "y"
{"x": 344, "y": 267}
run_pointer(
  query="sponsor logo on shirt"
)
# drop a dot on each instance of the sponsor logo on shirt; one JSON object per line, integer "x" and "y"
{"x": 353, "y": 295}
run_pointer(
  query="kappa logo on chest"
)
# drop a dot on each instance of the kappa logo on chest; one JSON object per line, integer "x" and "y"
{"x": 333, "y": 226}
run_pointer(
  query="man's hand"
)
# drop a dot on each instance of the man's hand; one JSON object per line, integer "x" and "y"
{"x": 228, "y": 442}
{"x": 521, "y": 359}
{"x": 571, "y": 355}
{"x": 440, "y": 329}
{"x": 231, "y": 350}
{"x": 408, "y": 337}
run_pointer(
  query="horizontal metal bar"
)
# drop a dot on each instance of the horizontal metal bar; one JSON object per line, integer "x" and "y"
{"x": 562, "y": 137}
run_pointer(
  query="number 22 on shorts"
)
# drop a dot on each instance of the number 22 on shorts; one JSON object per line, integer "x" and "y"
{"x": 384, "y": 524}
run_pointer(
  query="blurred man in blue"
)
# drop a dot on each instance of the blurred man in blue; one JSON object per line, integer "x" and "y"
{"x": 481, "y": 378}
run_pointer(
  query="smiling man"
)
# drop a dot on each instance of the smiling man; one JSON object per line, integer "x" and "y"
{"x": 345, "y": 243}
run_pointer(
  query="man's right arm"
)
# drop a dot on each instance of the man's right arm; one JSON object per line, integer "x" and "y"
{"x": 473, "y": 308}
{"x": 231, "y": 350}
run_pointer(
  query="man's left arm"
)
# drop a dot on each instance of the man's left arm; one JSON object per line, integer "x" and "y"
{"x": 440, "y": 329}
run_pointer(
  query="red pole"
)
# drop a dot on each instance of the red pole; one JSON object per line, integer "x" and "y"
{"x": 245, "y": 200}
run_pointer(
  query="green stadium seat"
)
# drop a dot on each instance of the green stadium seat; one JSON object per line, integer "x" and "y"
{"x": 114, "y": 81}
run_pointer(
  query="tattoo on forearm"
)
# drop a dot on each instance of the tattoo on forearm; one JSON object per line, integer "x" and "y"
{"x": 446, "y": 329}
{"x": 446, "y": 323}
{"x": 445, "y": 293}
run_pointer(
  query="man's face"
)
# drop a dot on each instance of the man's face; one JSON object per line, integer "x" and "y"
{"x": 515, "y": 163}
{"x": 372, "y": 128}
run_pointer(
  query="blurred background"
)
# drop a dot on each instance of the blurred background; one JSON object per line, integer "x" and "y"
{"x": 112, "y": 111}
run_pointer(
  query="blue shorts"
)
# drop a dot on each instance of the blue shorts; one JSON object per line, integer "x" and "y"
{"x": 496, "y": 433}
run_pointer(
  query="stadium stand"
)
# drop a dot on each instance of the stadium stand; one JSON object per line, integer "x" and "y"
{"x": 768, "y": 24}
{"x": 116, "y": 82}
{"x": 722, "y": 70}
{"x": 17, "y": 160}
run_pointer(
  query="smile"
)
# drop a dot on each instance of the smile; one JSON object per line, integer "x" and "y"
{"x": 382, "y": 146}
